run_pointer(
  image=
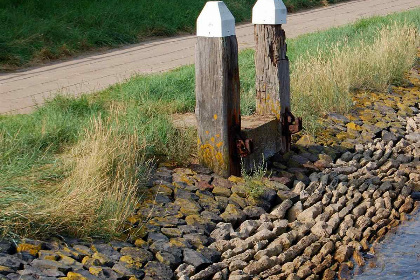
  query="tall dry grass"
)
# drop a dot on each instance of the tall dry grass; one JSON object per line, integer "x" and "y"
{"x": 321, "y": 82}
{"x": 107, "y": 169}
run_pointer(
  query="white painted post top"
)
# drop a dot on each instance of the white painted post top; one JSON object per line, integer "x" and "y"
{"x": 215, "y": 20}
{"x": 269, "y": 12}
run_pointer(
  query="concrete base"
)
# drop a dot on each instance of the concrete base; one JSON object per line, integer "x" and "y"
{"x": 264, "y": 131}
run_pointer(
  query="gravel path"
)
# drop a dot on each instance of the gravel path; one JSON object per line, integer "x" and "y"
{"x": 21, "y": 91}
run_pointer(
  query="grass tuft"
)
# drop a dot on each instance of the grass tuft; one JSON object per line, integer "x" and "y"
{"x": 86, "y": 183}
{"x": 253, "y": 183}
{"x": 106, "y": 171}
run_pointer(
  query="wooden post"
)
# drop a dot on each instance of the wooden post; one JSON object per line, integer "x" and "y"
{"x": 271, "y": 63}
{"x": 217, "y": 89}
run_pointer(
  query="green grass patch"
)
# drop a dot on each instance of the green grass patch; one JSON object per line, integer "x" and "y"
{"x": 44, "y": 155}
{"x": 35, "y": 31}
{"x": 253, "y": 183}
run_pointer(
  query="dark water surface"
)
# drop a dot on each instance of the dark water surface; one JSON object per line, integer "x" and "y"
{"x": 397, "y": 256}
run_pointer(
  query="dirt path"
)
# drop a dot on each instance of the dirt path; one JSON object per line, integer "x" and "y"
{"x": 21, "y": 91}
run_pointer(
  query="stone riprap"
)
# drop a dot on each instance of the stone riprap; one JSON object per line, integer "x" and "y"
{"x": 326, "y": 204}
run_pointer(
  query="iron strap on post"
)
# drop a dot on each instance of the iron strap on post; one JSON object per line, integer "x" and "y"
{"x": 290, "y": 125}
{"x": 244, "y": 146}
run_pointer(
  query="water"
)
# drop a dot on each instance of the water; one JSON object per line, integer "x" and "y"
{"x": 398, "y": 255}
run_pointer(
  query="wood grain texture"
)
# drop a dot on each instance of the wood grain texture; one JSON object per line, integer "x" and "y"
{"x": 218, "y": 103}
{"x": 272, "y": 82}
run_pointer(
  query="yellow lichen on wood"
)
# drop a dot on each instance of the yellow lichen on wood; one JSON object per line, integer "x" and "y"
{"x": 219, "y": 158}
{"x": 213, "y": 155}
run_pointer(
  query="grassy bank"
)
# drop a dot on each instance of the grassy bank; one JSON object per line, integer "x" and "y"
{"x": 36, "y": 31}
{"x": 72, "y": 166}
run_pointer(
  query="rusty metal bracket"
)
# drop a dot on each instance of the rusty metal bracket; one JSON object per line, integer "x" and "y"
{"x": 244, "y": 147}
{"x": 290, "y": 125}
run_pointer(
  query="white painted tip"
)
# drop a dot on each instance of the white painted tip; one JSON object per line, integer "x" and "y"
{"x": 269, "y": 12}
{"x": 215, "y": 20}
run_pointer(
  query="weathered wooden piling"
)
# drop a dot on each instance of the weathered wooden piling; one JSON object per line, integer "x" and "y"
{"x": 272, "y": 82}
{"x": 223, "y": 145}
{"x": 217, "y": 89}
